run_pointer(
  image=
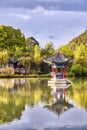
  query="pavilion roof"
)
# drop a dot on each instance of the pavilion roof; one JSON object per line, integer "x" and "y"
{"x": 59, "y": 107}
{"x": 57, "y": 58}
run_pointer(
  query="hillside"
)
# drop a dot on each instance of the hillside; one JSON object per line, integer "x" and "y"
{"x": 77, "y": 49}
{"x": 77, "y": 41}
{"x": 70, "y": 49}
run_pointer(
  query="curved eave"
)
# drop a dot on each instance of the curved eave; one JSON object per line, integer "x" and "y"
{"x": 56, "y": 62}
{"x": 47, "y": 61}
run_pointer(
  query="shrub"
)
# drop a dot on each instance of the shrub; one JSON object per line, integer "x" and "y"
{"x": 77, "y": 70}
{"x": 84, "y": 71}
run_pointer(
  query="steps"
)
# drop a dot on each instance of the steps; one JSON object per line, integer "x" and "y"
{"x": 59, "y": 81}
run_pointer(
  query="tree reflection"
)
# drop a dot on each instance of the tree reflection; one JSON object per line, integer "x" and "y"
{"x": 78, "y": 92}
{"x": 14, "y": 97}
{"x": 15, "y": 94}
{"x": 10, "y": 106}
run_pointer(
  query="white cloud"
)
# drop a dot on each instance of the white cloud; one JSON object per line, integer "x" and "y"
{"x": 38, "y": 10}
{"x": 26, "y": 17}
{"x": 46, "y": 25}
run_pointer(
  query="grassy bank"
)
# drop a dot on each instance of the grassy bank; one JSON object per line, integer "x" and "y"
{"x": 36, "y": 76}
{"x": 26, "y": 76}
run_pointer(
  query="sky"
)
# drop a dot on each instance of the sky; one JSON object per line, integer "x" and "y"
{"x": 57, "y": 21}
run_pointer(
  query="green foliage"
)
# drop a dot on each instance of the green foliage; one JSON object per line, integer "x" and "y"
{"x": 81, "y": 39}
{"x": 4, "y": 55}
{"x": 66, "y": 51}
{"x": 14, "y": 44}
{"x": 37, "y": 54}
{"x": 85, "y": 71}
{"x": 48, "y": 50}
{"x": 78, "y": 70}
{"x": 26, "y": 62}
{"x": 31, "y": 41}
{"x": 11, "y": 38}
{"x": 18, "y": 52}
{"x": 80, "y": 55}
{"x": 77, "y": 49}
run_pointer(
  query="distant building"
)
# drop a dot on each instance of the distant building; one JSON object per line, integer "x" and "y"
{"x": 18, "y": 69}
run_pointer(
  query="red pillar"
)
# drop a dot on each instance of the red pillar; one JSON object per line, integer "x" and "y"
{"x": 61, "y": 71}
{"x": 64, "y": 73}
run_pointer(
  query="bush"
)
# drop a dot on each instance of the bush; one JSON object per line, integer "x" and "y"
{"x": 70, "y": 74}
{"x": 85, "y": 71}
{"x": 77, "y": 70}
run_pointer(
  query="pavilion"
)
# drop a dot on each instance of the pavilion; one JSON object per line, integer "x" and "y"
{"x": 58, "y": 63}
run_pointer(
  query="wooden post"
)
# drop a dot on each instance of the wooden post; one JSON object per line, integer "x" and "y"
{"x": 61, "y": 71}
{"x": 64, "y": 73}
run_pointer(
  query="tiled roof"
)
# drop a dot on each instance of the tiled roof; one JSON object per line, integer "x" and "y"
{"x": 12, "y": 60}
{"x": 57, "y": 58}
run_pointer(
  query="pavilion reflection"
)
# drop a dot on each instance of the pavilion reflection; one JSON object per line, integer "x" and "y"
{"x": 59, "y": 100}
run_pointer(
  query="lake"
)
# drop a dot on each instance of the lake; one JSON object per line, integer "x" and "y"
{"x": 32, "y": 104}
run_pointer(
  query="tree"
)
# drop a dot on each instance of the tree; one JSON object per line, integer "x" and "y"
{"x": 80, "y": 55}
{"x": 31, "y": 41}
{"x": 37, "y": 59}
{"x": 11, "y": 38}
{"x": 66, "y": 51}
{"x": 77, "y": 70}
{"x": 4, "y": 55}
{"x": 48, "y": 50}
{"x": 77, "y": 41}
{"x": 37, "y": 54}
{"x": 18, "y": 52}
{"x": 26, "y": 62}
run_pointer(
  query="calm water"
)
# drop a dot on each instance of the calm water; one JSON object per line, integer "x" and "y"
{"x": 32, "y": 104}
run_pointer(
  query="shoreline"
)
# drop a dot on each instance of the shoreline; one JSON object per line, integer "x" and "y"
{"x": 36, "y": 76}
{"x": 26, "y": 76}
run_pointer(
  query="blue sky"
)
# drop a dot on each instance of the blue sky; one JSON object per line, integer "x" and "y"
{"x": 47, "y": 20}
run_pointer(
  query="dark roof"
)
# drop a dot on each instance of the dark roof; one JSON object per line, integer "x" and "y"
{"x": 12, "y": 60}
{"x": 57, "y": 58}
{"x": 59, "y": 107}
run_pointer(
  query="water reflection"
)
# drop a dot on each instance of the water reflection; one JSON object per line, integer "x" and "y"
{"x": 15, "y": 94}
{"x": 78, "y": 92}
{"x": 59, "y": 100}
{"x": 32, "y": 103}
